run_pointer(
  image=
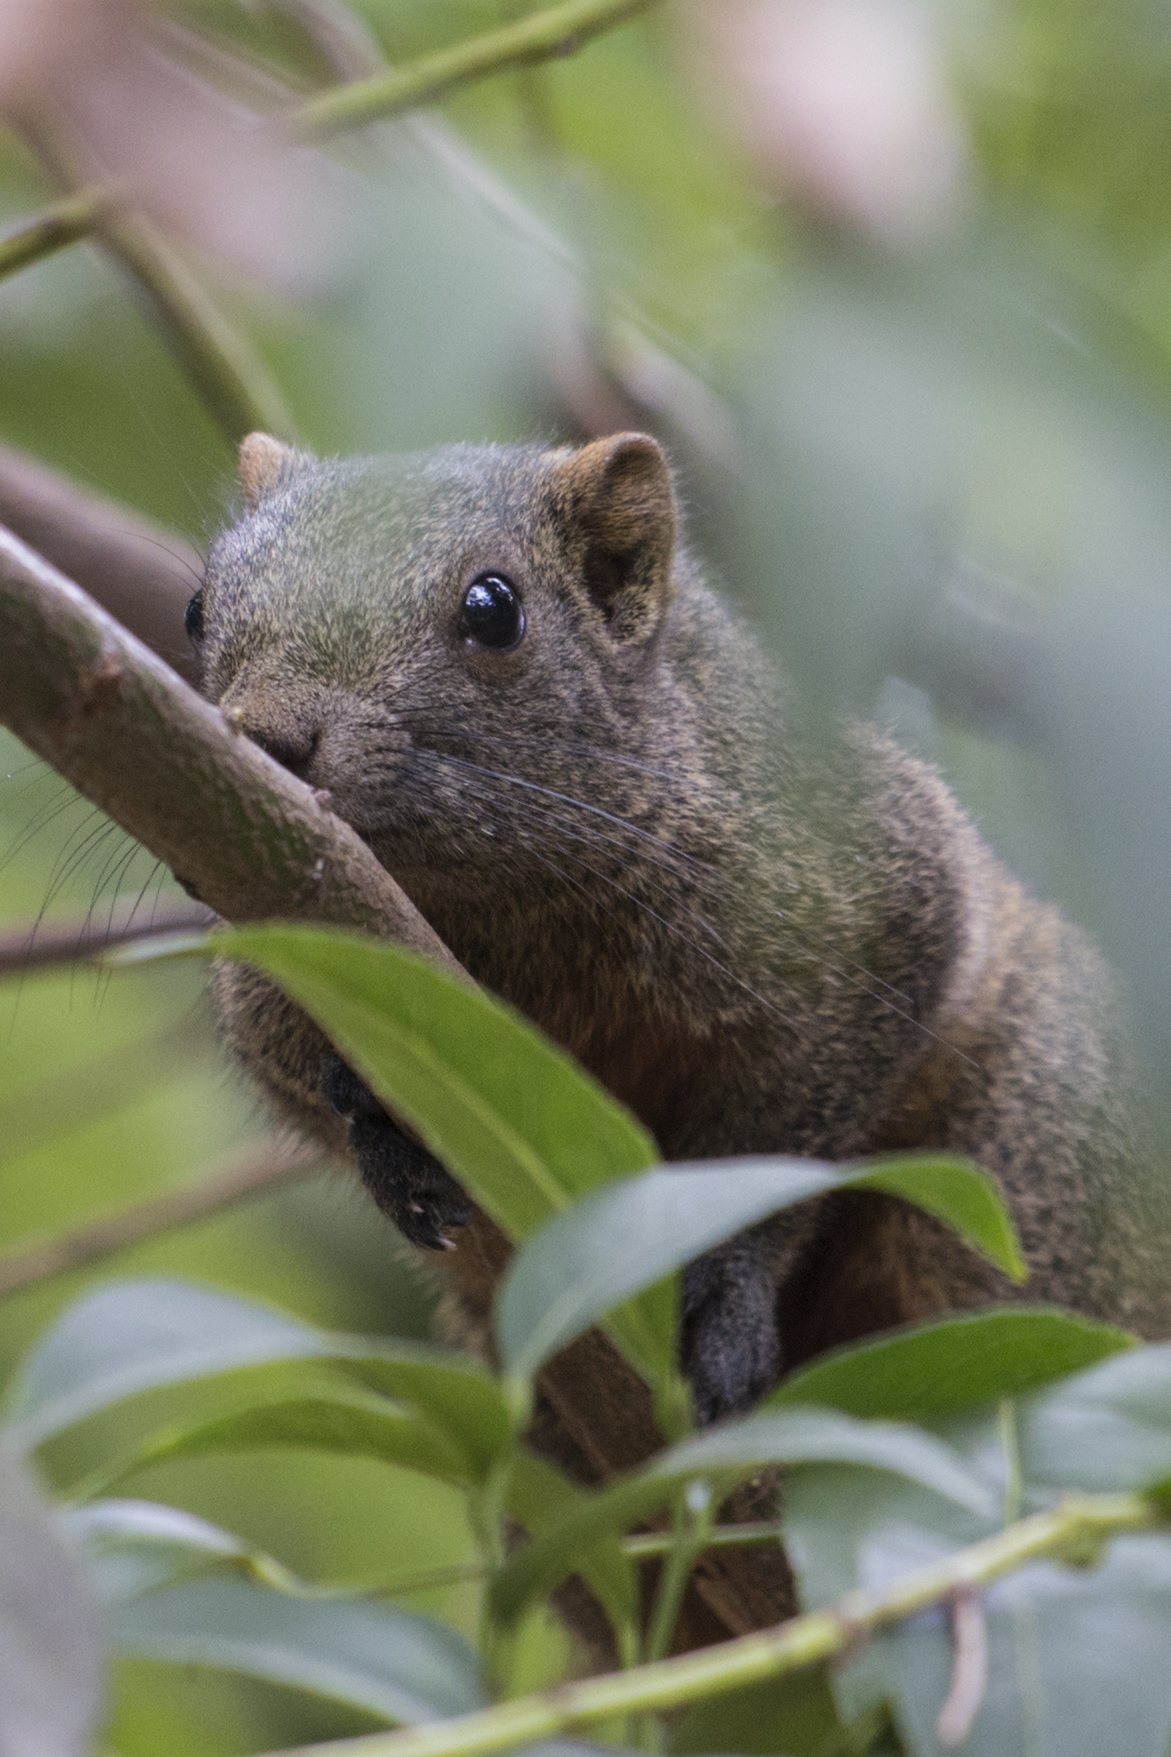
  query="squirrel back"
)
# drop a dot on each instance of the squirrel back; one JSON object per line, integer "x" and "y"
{"x": 507, "y": 672}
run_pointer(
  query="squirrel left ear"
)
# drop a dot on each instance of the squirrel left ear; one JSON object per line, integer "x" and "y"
{"x": 263, "y": 461}
{"x": 620, "y": 503}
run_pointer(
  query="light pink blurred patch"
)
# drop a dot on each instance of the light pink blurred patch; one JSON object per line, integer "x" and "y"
{"x": 34, "y": 34}
{"x": 844, "y": 103}
{"x": 198, "y": 161}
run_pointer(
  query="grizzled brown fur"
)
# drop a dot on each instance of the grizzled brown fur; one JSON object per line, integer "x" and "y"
{"x": 615, "y": 825}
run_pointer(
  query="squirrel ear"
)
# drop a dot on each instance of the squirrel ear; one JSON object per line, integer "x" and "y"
{"x": 263, "y": 459}
{"x": 620, "y": 503}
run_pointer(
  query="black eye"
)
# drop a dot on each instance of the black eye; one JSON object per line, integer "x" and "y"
{"x": 193, "y": 618}
{"x": 491, "y": 613}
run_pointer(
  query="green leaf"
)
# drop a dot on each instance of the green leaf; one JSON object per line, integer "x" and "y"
{"x": 133, "y": 1337}
{"x": 729, "y": 1454}
{"x": 134, "y": 1547}
{"x": 373, "y": 1656}
{"x": 1109, "y": 1428}
{"x": 951, "y": 1363}
{"x": 51, "y": 1647}
{"x": 347, "y": 1421}
{"x": 511, "y": 1116}
{"x": 622, "y": 1239}
{"x": 957, "y": 1192}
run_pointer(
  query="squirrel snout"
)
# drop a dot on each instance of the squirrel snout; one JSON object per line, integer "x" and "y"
{"x": 291, "y": 746}
{"x": 295, "y": 752}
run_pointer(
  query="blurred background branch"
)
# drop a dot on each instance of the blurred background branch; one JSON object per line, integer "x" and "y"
{"x": 554, "y": 32}
{"x": 259, "y": 1169}
{"x": 63, "y": 222}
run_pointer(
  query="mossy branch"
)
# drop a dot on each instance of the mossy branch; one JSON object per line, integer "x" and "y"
{"x": 558, "y": 30}
{"x": 1071, "y": 1531}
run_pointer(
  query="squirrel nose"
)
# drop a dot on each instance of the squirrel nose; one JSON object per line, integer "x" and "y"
{"x": 292, "y": 747}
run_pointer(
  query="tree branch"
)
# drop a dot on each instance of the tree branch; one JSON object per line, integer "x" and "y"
{"x": 1079, "y": 1525}
{"x": 242, "y": 834}
{"x": 255, "y": 1172}
{"x": 559, "y": 30}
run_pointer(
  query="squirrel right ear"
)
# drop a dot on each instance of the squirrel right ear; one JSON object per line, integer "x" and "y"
{"x": 619, "y": 500}
{"x": 263, "y": 461}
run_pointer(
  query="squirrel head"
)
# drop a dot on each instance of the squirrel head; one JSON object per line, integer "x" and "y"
{"x": 376, "y": 622}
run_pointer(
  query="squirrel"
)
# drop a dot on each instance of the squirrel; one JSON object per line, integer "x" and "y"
{"x": 503, "y": 666}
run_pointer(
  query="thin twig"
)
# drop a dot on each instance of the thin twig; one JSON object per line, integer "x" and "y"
{"x": 558, "y": 30}
{"x": 1077, "y": 1526}
{"x": 44, "y": 944}
{"x": 255, "y": 1172}
{"x": 63, "y": 222}
{"x": 720, "y": 1537}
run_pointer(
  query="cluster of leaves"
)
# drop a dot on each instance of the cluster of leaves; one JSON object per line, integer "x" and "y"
{"x": 903, "y": 1451}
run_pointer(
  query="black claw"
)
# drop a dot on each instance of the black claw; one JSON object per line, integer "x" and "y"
{"x": 407, "y": 1182}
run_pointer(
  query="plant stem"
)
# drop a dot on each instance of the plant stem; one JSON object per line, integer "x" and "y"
{"x": 245, "y": 1175}
{"x": 64, "y": 222}
{"x": 648, "y": 1543}
{"x": 689, "y": 1532}
{"x": 1073, "y": 1530}
{"x": 558, "y": 30}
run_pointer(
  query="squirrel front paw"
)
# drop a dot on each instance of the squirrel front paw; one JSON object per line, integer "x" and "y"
{"x": 407, "y": 1182}
{"x": 731, "y": 1349}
